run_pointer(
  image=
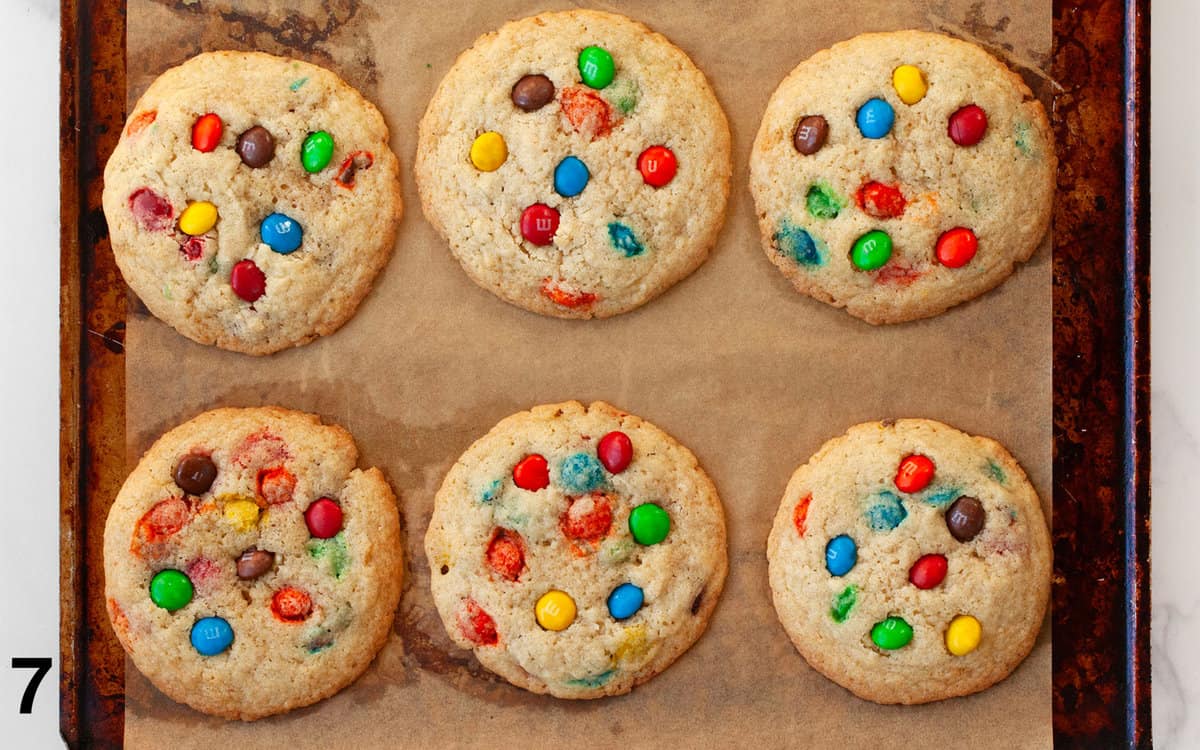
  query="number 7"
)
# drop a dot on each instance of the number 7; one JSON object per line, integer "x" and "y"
{"x": 42, "y": 665}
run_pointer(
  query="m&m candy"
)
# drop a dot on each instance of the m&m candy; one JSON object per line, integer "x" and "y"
{"x": 810, "y": 134}
{"x": 914, "y": 474}
{"x": 615, "y": 451}
{"x": 488, "y": 151}
{"x": 248, "y": 280}
{"x": 506, "y": 554}
{"x": 968, "y": 125}
{"x": 317, "y": 151}
{"x": 875, "y": 118}
{"x": 291, "y": 605}
{"x": 323, "y": 518}
{"x": 570, "y": 177}
{"x": 963, "y": 635}
{"x": 841, "y": 554}
{"x": 170, "y": 589}
{"x": 909, "y": 82}
{"x": 624, "y": 601}
{"x": 649, "y": 524}
{"x": 255, "y": 146}
{"x": 539, "y": 222}
{"x": 211, "y": 635}
{"x": 657, "y": 165}
{"x": 596, "y": 67}
{"x": 195, "y": 473}
{"x": 872, "y": 250}
{"x": 241, "y": 514}
{"x": 206, "y": 133}
{"x": 281, "y": 233}
{"x": 532, "y": 473}
{"x": 555, "y": 610}
{"x": 965, "y": 518}
{"x": 892, "y": 633}
{"x": 198, "y": 218}
{"x": 928, "y": 571}
{"x": 957, "y": 247}
{"x": 532, "y": 92}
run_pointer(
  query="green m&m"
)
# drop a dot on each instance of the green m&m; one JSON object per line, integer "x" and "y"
{"x": 170, "y": 589}
{"x": 649, "y": 524}
{"x": 871, "y": 250}
{"x": 892, "y": 633}
{"x": 596, "y": 67}
{"x": 317, "y": 151}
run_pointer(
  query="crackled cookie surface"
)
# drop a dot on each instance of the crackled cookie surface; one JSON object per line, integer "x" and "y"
{"x": 252, "y": 200}
{"x": 577, "y": 162}
{"x": 910, "y": 562}
{"x": 578, "y": 551}
{"x": 898, "y": 174}
{"x": 250, "y": 568}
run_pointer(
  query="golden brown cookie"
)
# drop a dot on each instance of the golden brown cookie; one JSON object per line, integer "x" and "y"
{"x": 898, "y": 174}
{"x": 578, "y": 551}
{"x": 252, "y": 200}
{"x": 250, "y": 568}
{"x": 910, "y": 562}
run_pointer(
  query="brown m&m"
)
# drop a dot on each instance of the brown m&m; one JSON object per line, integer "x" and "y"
{"x": 256, "y": 146}
{"x": 810, "y": 134}
{"x": 532, "y": 92}
{"x": 195, "y": 473}
{"x": 254, "y": 562}
{"x": 965, "y": 518}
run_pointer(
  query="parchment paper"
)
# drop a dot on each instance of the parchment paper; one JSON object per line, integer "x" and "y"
{"x": 747, "y": 373}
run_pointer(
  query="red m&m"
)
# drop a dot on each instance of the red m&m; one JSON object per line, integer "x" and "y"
{"x": 248, "y": 280}
{"x": 324, "y": 518}
{"x": 539, "y": 222}
{"x": 957, "y": 247}
{"x": 532, "y": 473}
{"x": 506, "y": 554}
{"x": 206, "y": 133}
{"x": 915, "y": 473}
{"x": 657, "y": 165}
{"x": 968, "y": 125}
{"x": 880, "y": 201}
{"x": 615, "y": 451}
{"x": 928, "y": 571}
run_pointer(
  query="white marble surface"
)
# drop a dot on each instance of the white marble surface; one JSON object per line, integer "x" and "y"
{"x": 1175, "y": 399}
{"x": 29, "y": 398}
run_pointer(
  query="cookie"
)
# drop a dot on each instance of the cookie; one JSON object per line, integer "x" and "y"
{"x": 577, "y": 162}
{"x": 249, "y": 567}
{"x": 910, "y": 562}
{"x": 899, "y": 174}
{"x": 578, "y": 551}
{"x": 252, "y": 200}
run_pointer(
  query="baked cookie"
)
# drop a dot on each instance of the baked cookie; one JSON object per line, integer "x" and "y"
{"x": 899, "y": 174}
{"x": 577, "y": 162}
{"x": 578, "y": 551}
{"x": 252, "y": 200}
{"x": 249, "y": 567}
{"x": 910, "y": 562}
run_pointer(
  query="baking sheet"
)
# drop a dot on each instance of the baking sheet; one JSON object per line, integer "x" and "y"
{"x": 747, "y": 373}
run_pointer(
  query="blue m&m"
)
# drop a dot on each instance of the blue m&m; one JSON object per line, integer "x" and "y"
{"x": 211, "y": 635}
{"x": 570, "y": 177}
{"x": 875, "y": 118}
{"x": 840, "y": 555}
{"x": 281, "y": 233}
{"x": 624, "y": 601}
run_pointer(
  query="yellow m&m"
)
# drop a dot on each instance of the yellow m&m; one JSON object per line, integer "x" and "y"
{"x": 909, "y": 83}
{"x": 962, "y": 637}
{"x": 198, "y": 218}
{"x": 241, "y": 514}
{"x": 489, "y": 151}
{"x": 555, "y": 610}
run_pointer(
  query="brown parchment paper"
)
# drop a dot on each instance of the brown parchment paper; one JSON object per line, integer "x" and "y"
{"x": 747, "y": 373}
